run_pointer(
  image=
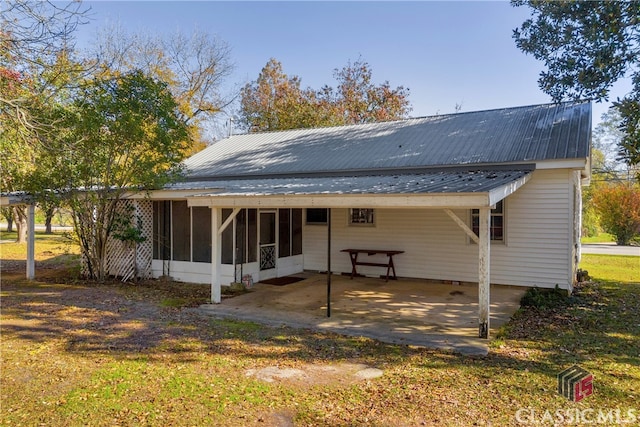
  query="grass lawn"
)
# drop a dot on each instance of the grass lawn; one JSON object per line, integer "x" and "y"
{"x": 78, "y": 353}
{"x": 600, "y": 238}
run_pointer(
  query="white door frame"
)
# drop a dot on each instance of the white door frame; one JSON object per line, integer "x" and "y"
{"x": 268, "y": 251}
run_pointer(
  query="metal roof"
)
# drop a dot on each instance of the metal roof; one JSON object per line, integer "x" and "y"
{"x": 437, "y": 181}
{"x": 504, "y": 136}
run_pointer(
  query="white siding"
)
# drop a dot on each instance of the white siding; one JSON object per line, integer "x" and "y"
{"x": 190, "y": 272}
{"x": 537, "y": 252}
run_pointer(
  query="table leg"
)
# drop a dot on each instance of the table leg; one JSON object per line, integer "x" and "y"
{"x": 354, "y": 260}
{"x": 392, "y": 267}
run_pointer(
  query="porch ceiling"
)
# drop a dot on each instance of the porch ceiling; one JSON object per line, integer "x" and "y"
{"x": 434, "y": 189}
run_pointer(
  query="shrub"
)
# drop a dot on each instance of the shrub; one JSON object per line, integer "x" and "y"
{"x": 618, "y": 207}
{"x": 545, "y": 298}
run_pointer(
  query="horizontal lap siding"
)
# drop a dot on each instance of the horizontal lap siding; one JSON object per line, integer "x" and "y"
{"x": 539, "y": 221}
{"x": 537, "y": 253}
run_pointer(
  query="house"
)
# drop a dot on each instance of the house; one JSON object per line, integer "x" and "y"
{"x": 485, "y": 197}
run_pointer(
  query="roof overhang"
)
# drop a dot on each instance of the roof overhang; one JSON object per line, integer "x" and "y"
{"x": 437, "y": 189}
{"x": 16, "y": 198}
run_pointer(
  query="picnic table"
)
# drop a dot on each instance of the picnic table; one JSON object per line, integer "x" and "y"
{"x": 353, "y": 255}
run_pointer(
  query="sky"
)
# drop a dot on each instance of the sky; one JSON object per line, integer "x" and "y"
{"x": 447, "y": 53}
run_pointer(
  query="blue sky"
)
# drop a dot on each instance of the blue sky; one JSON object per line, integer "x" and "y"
{"x": 446, "y": 53}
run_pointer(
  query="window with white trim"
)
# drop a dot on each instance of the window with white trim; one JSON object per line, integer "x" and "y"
{"x": 358, "y": 216}
{"x": 496, "y": 229}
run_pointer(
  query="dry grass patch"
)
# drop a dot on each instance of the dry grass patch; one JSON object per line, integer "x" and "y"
{"x": 78, "y": 354}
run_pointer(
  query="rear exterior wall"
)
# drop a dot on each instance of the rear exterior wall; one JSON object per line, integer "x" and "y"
{"x": 537, "y": 249}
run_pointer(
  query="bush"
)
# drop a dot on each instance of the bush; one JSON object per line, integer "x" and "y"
{"x": 545, "y": 298}
{"x": 618, "y": 207}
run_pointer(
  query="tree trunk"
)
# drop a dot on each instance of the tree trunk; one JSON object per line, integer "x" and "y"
{"x": 8, "y": 214}
{"x": 48, "y": 218}
{"x": 20, "y": 217}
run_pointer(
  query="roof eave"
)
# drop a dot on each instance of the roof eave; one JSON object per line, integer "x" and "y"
{"x": 396, "y": 201}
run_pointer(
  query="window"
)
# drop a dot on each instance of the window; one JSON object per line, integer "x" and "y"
{"x": 359, "y": 216}
{"x": 289, "y": 232}
{"x": 227, "y": 239}
{"x": 296, "y": 231}
{"x": 162, "y": 230}
{"x": 201, "y": 232}
{"x": 284, "y": 231}
{"x": 181, "y": 231}
{"x": 316, "y": 216}
{"x": 246, "y": 237}
{"x": 496, "y": 230}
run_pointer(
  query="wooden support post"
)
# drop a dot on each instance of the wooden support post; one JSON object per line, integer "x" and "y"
{"x": 216, "y": 263}
{"x": 228, "y": 221}
{"x": 484, "y": 261}
{"x": 31, "y": 242}
{"x": 462, "y": 225}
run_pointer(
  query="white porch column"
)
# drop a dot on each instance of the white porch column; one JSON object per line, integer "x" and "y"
{"x": 484, "y": 261}
{"x": 31, "y": 242}
{"x": 216, "y": 262}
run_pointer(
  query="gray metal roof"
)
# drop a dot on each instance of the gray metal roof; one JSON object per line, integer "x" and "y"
{"x": 437, "y": 181}
{"x": 504, "y": 136}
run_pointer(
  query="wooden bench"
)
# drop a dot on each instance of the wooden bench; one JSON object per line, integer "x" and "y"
{"x": 353, "y": 255}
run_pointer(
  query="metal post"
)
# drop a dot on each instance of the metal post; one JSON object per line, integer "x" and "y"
{"x": 329, "y": 262}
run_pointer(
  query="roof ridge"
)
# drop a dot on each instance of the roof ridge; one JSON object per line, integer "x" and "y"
{"x": 407, "y": 119}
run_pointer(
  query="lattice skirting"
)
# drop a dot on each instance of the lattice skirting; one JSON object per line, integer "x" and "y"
{"x": 126, "y": 260}
{"x": 133, "y": 261}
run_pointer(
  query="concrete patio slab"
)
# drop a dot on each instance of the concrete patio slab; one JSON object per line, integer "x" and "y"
{"x": 406, "y": 311}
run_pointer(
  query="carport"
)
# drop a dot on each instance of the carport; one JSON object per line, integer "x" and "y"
{"x": 446, "y": 189}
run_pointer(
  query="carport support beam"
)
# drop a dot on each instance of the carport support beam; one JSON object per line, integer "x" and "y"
{"x": 31, "y": 242}
{"x": 217, "y": 227}
{"x": 216, "y": 264}
{"x": 484, "y": 261}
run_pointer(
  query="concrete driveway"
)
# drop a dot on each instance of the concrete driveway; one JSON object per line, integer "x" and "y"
{"x": 406, "y": 311}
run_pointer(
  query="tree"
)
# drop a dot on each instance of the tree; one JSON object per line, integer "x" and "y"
{"x": 33, "y": 35}
{"x": 123, "y": 135}
{"x": 586, "y": 47}
{"x": 360, "y": 101}
{"x": 35, "y": 38}
{"x": 618, "y": 206}
{"x": 276, "y": 101}
{"x": 7, "y": 213}
{"x": 606, "y": 138}
{"x": 195, "y": 67}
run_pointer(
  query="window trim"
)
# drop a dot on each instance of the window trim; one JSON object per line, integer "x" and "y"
{"x": 362, "y": 224}
{"x": 503, "y": 206}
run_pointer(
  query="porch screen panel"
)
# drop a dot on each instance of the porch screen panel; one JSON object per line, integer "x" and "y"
{"x": 252, "y": 235}
{"x": 162, "y": 230}
{"x": 201, "y": 230}
{"x": 227, "y": 239}
{"x": 241, "y": 237}
{"x": 284, "y": 234}
{"x": 181, "y": 236}
{"x": 296, "y": 231}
